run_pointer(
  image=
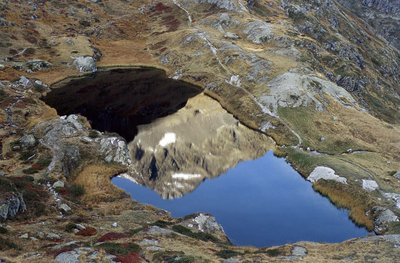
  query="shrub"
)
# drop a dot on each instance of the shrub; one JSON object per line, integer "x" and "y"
{"x": 77, "y": 190}
{"x": 3, "y": 230}
{"x": 30, "y": 170}
{"x": 120, "y": 249}
{"x": 227, "y": 253}
{"x": 161, "y": 223}
{"x": 69, "y": 227}
{"x": 6, "y": 244}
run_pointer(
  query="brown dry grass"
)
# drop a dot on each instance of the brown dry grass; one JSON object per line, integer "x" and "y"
{"x": 96, "y": 179}
{"x": 45, "y": 113}
{"x": 346, "y": 196}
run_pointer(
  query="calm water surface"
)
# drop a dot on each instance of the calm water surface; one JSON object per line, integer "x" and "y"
{"x": 261, "y": 202}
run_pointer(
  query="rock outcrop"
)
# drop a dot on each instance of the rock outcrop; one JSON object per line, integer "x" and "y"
{"x": 11, "y": 206}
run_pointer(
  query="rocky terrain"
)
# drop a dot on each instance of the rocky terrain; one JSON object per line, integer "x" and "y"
{"x": 316, "y": 81}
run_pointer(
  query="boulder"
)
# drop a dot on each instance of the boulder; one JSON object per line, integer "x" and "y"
{"x": 230, "y": 35}
{"x": 369, "y": 185}
{"x": 85, "y": 64}
{"x": 325, "y": 173}
{"x": 58, "y": 184}
{"x": 71, "y": 159}
{"x": 394, "y": 197}
{"x": 37, "y": 65}
{"x": 156, "y": 230}
{"x": 65, "y": 208}
{"x": 258, "y": 32}
{"x": 383, "y": 217}
{"x": 28, "y": 141}
{"x": 13, "y": 205}
{"x": 23, "y": 82}
{"x": 298, "y": 251}
{"x": 207, "y": 223}
{"x": 397, "y": 175}
{"x": 114, "y": 149}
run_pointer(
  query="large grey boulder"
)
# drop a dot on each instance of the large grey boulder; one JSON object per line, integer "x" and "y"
{"x": 207, "y": 223}
{"x": 325, "y": 173}
{"x": 70, "y": 160}
{"x": 114, "y": 149}
{"x": 258, "y": 32}
{"x": 383, "y": 217}
{"x": 369, "y": 185}
{"x": 13, "y": 205}
{"x": 85, "y": 64}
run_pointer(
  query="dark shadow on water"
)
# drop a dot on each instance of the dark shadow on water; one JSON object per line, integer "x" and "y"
{"x": 119, "y": 100}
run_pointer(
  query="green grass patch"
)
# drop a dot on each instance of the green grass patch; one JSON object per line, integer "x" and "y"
{"x": 133, "y": 232}
{"x": 173, "y": 257}
{"x": 227, "y": 253}
{"x": 275, "y": 252}
{"x": 119, "y": 249}
{"x": 76, "y": 190}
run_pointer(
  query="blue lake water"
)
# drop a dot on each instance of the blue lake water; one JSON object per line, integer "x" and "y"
{"x": 260, "y": 202}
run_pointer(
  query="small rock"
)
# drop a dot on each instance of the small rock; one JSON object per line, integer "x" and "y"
{"x": 58, "y": 184}
{"x": 349, "y": 150}
{"x": 325, "y": 173}
{"x": 24, "y": 82}
{"x": 322, "y": 139}
{"x": 27, "y": 141}
{"x": 2, "y": 66}
{"x": 149, "y": 242}
{"x": 53, "y": 236}
{"x": 80, "y": 226}
{"x": 115, "y": 224}
{"x": 2, "y": 173}
{"x": 230, "y": 35}
{"x": 86, "y": 139}
{"x": 85, "y": 64}
{"x": 65, "y": 208}
{"x": 299, "y": 251}
{"x": 40, "y": 235}
{"x": 369, "y": 185}
{"x": 397, "y": 175}
{"x": 153, "y": 248}
{"x": 24, "y": 236}
{"x": 39, "y": 85}
{"x": 155, "y": 230}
